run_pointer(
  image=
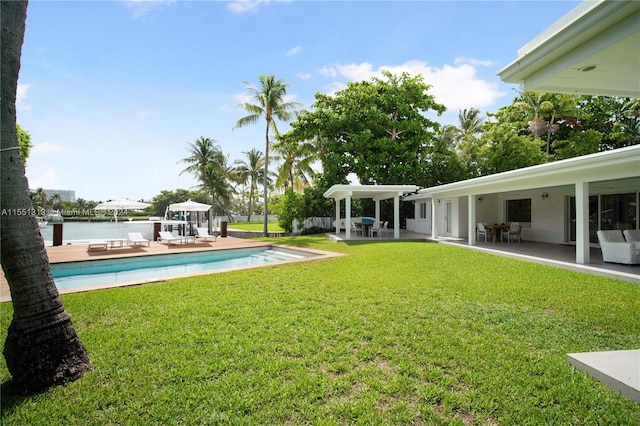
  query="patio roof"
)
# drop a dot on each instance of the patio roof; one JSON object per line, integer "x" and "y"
{"x": 375, "y": 192}
{"x": 605, "y": 166}
{"x": 591, "y": 50}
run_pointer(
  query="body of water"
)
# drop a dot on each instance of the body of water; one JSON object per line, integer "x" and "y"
{"x": 86, "y": 231}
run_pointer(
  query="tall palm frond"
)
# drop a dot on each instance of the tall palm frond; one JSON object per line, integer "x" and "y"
{"x": 270, "y": 104}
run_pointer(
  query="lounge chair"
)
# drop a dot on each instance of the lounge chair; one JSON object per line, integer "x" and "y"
{"x": 203, "y": 233}
{"x": 97, "y": 244}
{"x": 170, "y": 238}
{"x": 136, "y": 238}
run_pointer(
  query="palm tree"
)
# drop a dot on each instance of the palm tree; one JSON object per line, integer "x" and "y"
{"x": 216, "y": 182}
{"x": 539, "y": 106}
{"x": 203, "y": 152}
{"x": 297, "y": 158}
{"x": 269, "y": 103}
{"x": 470, "y": 122}
{"x": 42, "y": 348}
{"x": 251, "y": 171}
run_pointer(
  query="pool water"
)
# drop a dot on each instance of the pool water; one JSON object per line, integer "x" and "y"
{"x": 94, "y": 272}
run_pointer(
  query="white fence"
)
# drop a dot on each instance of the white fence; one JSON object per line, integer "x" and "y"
{"x": 312, "y": 222}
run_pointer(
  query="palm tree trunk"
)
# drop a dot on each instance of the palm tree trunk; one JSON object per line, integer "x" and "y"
{"x": 42, "y": 348}
{"x": 266, "y": 180}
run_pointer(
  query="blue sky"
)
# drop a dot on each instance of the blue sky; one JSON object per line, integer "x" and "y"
{"x": 113, "y": 91}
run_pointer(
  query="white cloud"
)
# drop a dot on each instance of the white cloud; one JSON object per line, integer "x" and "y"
{"x": 143, "y": 7}
{"x": 21, "y": 95}
{"x": 245, "y": 6}
{"x": 460, "y": 60}
{"x": 305, "y": 76}
{"x": 294, "y": 51}
{"x": 456, "y": 86}
{"x": 329, "y": 72}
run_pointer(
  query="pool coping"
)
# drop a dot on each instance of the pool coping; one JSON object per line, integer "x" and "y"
{"x": 79, "y": 253}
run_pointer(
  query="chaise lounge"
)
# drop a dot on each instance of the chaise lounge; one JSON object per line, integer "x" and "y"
{"x": 616, "y": 249}
{"x": 203, "y": 233}
{"x": 170, "y": 238}
{"x": 136, "y": 239}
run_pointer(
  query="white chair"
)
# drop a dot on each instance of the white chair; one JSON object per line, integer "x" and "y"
{"x": 481, "y": 230}
{"x": 203, "y": 233}
{"x": 513, "y": 230}
{"x": 385, "y": 228}
{"x": 375, "y": 228}
{"x": 170, "y": 238}
{"x": 616, "y": 249}
{"x": 355, "y": 228}
{"x": 136, "y": 238}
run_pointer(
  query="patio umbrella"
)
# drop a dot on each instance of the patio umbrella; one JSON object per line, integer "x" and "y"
{"x": 189, "y": 206}
{"x": 121, "y": 204}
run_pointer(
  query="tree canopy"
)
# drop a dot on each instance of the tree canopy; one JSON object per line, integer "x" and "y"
{"x": 378, "y": 130}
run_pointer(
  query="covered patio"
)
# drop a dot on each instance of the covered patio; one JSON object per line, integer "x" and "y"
{"x": 375, "y": 192}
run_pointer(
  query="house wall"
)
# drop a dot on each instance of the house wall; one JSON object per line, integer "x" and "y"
{"x": 547, "y": 214}
{"x": 420, "y": 225}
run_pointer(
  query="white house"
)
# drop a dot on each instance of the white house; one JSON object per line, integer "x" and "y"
{"x": 591, "y": 50}
{"x": 563, "y": 202}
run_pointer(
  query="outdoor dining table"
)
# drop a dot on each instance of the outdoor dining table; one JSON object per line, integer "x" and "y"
{"x": 365, "y": 227}
{"x": 495, "y": 229}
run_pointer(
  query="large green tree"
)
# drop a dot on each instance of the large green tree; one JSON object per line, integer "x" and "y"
{"x": 377, "y": 130}
{"x": 269, "y": 103}
{"x": 42, "y": 348}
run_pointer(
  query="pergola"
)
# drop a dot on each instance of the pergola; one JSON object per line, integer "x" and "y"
{"x": 376, "y": 193}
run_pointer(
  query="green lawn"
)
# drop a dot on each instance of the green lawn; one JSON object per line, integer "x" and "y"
{"x": 255, "y": 226}
{"x": 394, "y": 333}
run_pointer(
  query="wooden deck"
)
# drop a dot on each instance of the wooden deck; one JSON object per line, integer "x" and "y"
{"x": 80, "y": 252}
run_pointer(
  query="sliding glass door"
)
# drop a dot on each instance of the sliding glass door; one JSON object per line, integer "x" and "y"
{"x": 607, "y": 211}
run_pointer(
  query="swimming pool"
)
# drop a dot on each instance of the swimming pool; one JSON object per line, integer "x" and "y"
{"x": 156, "y": 267}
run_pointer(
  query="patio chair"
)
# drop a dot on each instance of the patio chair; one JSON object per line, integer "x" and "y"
{"x": 384, "y": 228}
{"x": 355, "y": 228}
{"x": 375, "y": 228}
{"x": 170, "y": 238}
{"x": 136, "y": 238}
{"x": 513, "y": 230}
{"x": 203, "y": 233}
{"x": 481, "y": 230}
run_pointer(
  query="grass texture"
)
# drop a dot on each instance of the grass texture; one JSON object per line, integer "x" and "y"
{"x": 394, "y": 333}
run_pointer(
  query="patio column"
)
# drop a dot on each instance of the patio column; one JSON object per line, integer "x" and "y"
{"x": 582, "y": 223}
{"x": 434, "y": 217}
{"x": 396, "y": 217}
{"x": 337, "y": 216}
{"x": 347, "y": 223}
{"x": 471, "y": 200}
{"x": 376, "y": 203}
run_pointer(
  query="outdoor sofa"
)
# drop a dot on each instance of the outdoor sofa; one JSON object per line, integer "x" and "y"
{"x": 616, "y": 249}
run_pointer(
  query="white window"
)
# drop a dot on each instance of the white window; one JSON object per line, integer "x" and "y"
{"x": 423, "y": 210}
